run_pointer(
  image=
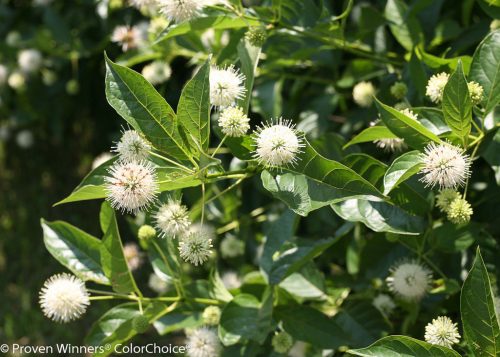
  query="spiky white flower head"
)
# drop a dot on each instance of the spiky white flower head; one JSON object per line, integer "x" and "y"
{"x": 172, "y": 219}
{"x": 101, "y": 159}
{"x": 282, "y": 342}
{"x": 29, "y": 60}
{"x": 195, "y": 248}
{"x": 231, "y": 280}
{"x": 445, "y": 197}
{"x": 157, "y": 72}
{"x": 181, "y": 10}
{"x": 445, "y": 165}
{"x": 409, "y": 113}
{"x": 64, "y": 298}
{"x": 384, "y": 304}
{"x": 16, "y": 80}
{"x": 475, "y": 91}
{"x": 203, "y": 342}
{"x": 132, "y": 146}
{"x": 226, "y": 86}
{"x": 157, "y": 284}
{"x": 459, "y": 211}
{"x": 442, "y": 331}
{"x": 4, "y": 74}
{"x": 128, "y": 37}
{"x": 234, "y": 122}
{"x": 399, "y": 90}
{"x": 133, "y": 255}
{"x": 131, "y": 186}
{"x": 232, "y": 247}
{"x": 278, "y": 144}
{"x": 435, "y": 86}
{"x": 410, "y": 280}
{"x": 363, "y": 93}
{"x": 211, "y": 315}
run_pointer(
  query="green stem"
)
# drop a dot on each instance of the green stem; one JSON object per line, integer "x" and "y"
{"x": 220, "y": 144}
{"x": 171, "y": 161}
{"x": 226, "y": 190}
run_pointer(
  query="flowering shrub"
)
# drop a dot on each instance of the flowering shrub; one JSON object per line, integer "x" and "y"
{"x": 272, "y": 229}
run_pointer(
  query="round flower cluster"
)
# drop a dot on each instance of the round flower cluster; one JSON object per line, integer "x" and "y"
{"x": 363, "y": 93}
{"x": 435, "y": 86}
{"x": 195, "y": 247}
{"x": 226, "y": 86}
{"x": 459, "y": 211}
{"x": 203, "y": 342}
{"x": 475, "y": 91}
{"x": 442, "y": 331}
{"x": 256, "y": 36}
{"x": 231, "y": 247}
{"x": 384, "y": 304}
{"x": 132, "y": 147}
{"x": 234, "y": 122}
{"x": 132, "y": 255}
{"x": 399, "y": 90}
{"x": 172, "y": 219}
{"x": 282, "y": 342}
{"x": 181, "y": 10}
{"x": 29, "y": 60}
{"x": 445, "y": 197}
{"x": 410, "y": 280}
{"x": 157, "y": 72}
{"x": 211, "y": 315}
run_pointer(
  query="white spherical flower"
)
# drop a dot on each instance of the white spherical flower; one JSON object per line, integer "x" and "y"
{"x": 363, "y": 93}
{"x": 435, "y": 86}
{"x": 157, "y": 72}
{"x": 475, "y": 91}
{"x": 42, "y": 3}
{"x": 442, "y": 331}
{"x": 16, "y": 80}
{"x": 4, "y": 74}
{"x": 231, "y": 280}
{"x": 101, "y": 159}
{"x": 181, "y": 10}
{"x": 278, "y": 145}
{"x": 195, "y": 248}
{"x": 409, "y": 280}
{"x": 172, "y": 219}
{"x": 459, "y": 211}
{"x": 128, "y": 37}
{"x": 232, "y": 247}
{"x": 131, "y": 186}
{"x": 25, "y": 139}
{"x": 157, "y": 284}
{"x": 64, "y": 298}
{"x": 233, "y": 122}
{"x": 29, "y": 60}
{"x": 133, "y": 256}
{"x": 226, "y": 86}
{"x": 132, "y": 146}
{"x": 203, "y": 342}
{"x": 384, "y": 304}
{"x": 445, "y": 165}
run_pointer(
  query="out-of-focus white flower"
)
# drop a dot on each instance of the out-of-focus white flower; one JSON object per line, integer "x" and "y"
{"x": 157, "y": 25}
{"x": 13, "y": 38}
{"x": 64, "y": 298}
{"x": 16, "y": 80}
{"x": 131, "y": 186}
{"x": 399, "y": 90}
{"x": 435, "y": 86}
{"x": 278, "y": 144}
{"x": 157, "y": 284}
{"x": 442, "y": 331}
{"x": 226, "y": 86}
{"x": 203, "y": 342}
{"x": 195, "y": 248}
{"x": 459, "y": 211}
{"x": 42, "y": 3}
{"x": 132, "y": 146}
{"x": 231, "y": 280}
{"x": 29, "y": 60}
{"x": 24, "y": 139}
{"x": 445, "y": 165}
{"x": 234, "y": 122}
{"x": 133, "y": 255}
{"x": 172, "y": 219}
{"x": 211, "y": 315}
{"x": 139, "y": 4}
{"x": 363, "y": 93}
{"x": 384, "y": 304}
{"x": 410, "y": 280}
{"x": 101, "y": 159}
{"x": 182, "y": 10}
{"x": 157, "y": 72}
{"x": 391, "y": 144}
{"x": 128, "y": 37}
{"x": 4, "y": 74}
{"x": 495, "y": 24}
{"x": 232, "y": 247}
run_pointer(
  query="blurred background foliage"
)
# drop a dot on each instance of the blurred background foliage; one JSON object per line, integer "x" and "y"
{"x": 54, "y": 121}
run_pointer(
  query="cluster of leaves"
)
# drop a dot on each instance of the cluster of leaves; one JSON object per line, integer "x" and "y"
{"x": 313, "y": 277}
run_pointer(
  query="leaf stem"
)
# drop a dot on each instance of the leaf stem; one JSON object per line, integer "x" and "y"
{"x": 171, "y": 161}
{"x": 219, "y": 146}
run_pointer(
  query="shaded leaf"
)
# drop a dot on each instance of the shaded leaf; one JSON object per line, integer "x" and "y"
{"x": 401, "y": 169}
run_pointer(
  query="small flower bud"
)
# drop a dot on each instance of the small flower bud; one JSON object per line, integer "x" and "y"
{"x": 459, "y": 211}
{"x": 256, "y": 36}
{"x": 282, "y": 342}
{"x": 399, "y": 90}
{"x": 211, "y": 315}
{"x": 146, "y": 232}
{"x": 475, "y": 91}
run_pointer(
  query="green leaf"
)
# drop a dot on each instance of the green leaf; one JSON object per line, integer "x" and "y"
{"x": 74, "y": 249}
{"x": 178, "y": 319}
{"x": 162, "y": 256}
{"x": 380, "y": 216}
{"x": 193, "y": 111}
{"x": 219, "y": 22}
{"x": 245, "y": 318}
{"x": 218, "y": 290}
{"x": 291, "y": 260}
{"x": 307, "y": 283}
{"x": 485, "y": 69}
{"x": 414, "y": 133}
{"x": 309, "y": 325}
{"x": 417, "y": 74}
{"x": 138, "y": 102}
{"x": 401, "y": 169}
{"x": 113, "y": 261}
{"x": 249, "y": 59}
{"x": 115, "y": 326}
{"x": 432, "y": 119}
{"x": 452, "y": 238}
{"x": 480, "y": 322}
{"x": 404, "y": 26}
{"x": 371, "y": 134}
{"x": 457, "y": 104}
{"x": 491, "y": 154}
{"x": 403, "y": 346}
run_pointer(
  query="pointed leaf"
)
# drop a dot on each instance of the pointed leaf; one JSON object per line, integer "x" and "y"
{"x": 371, "y": 134}
{"x": 249, "y": 59}
{"x": 401, "y": 170}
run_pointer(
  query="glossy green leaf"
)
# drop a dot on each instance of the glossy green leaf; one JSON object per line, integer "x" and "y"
{"x": 249, "y": 59}
{"x": 307, "y": 283}
{"x": 113, "y": 260}
{"x": 457, "y": 104}
{"x": 74, "y": 249}
{"x": 477, "y": 306}
{"x": 193, "y": 111}
{"x": 178, "y": 319}
{"x": 138, "y": 102}
{"x": 371, "y": 134}
{"x": 491, "y": 154}
{"x": 414, "y": 133}
{"x": 403, "y": 346}
{"x": 401, "y": 169}
{"x": 404, "y": 25}
{"x": 432, "y": 119}
{"x": 485, "y": 69}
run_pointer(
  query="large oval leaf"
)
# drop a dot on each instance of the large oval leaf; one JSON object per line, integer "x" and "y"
{"x": 401, "y": 170}
{"x": 403, "y": 24}
{"x": 371, "y": 134}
